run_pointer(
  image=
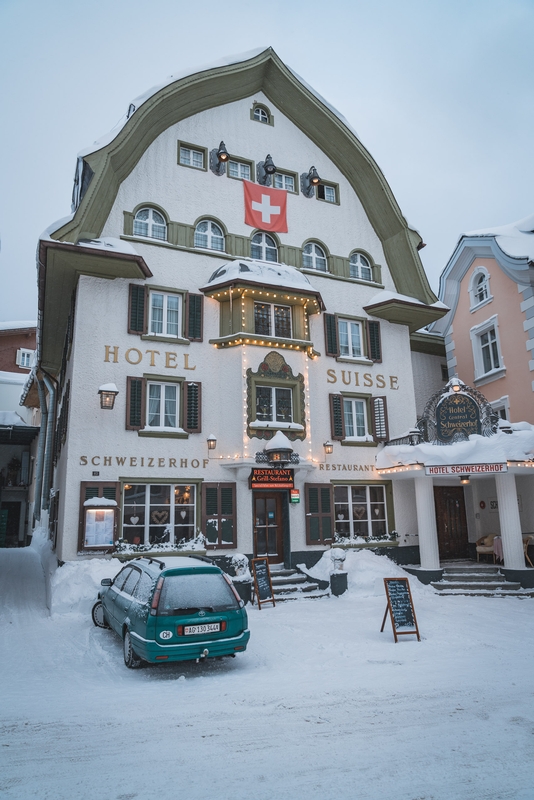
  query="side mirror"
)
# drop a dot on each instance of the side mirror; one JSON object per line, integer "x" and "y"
{"x": 106, "y": 582}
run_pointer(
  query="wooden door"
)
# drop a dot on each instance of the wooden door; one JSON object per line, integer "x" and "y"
{"x": 451, "y": 522}
{"x": 268, "y": 526}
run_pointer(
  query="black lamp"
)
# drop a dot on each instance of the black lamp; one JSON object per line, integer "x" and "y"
{"x": 309, "y": 181}
{"x": 218, "y": 159}
{"x": 265, "y": 170}
{"x": 222, "y": 153}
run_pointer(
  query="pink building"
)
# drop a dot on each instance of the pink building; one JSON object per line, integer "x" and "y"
{"x": 489, "y": 332}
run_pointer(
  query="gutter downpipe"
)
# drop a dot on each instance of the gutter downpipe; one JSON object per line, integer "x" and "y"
{"x": 40, "y": 452}
{"x": 47, "y": 467}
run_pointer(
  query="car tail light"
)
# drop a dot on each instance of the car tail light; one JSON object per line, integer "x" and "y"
{"x": 232, "y": 587}
{"x": 223, "y": 625}
{"x": 155, "y": 599}
{"x": 240, "y": 647}
{"x": 180, "y": 630}
{"x": 161, "y": 658}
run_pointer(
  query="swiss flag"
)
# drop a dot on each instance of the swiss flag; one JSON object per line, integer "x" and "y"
{"x": 265, "y": 208}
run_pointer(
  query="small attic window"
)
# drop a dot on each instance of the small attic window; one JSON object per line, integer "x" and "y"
{"x": 260, "y": 113}
{"x": 243, "y": 268}
{"x": 479, "y": 288}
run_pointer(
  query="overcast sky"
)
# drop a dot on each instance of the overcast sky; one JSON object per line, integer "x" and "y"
{"x": 441, "y": 92}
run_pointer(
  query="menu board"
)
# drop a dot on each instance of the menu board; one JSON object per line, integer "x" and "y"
{"x": 400, "y": 608}
{"x": 99, "y": 526}
{"x": 263, "y": 586}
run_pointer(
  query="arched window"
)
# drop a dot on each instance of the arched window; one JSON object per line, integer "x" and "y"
{"x": 263, "y": 247}
{"x": 149, "y": 222}
{"x": 209, "y": 235}
{"x": 314, "y": 257}
{"x": 261, "y": 115}
{"x": 479, "y": 288}
{"x": 360, "y": 267}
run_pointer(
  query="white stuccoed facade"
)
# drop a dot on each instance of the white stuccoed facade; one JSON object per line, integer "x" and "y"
{"x": 98, "y": 449}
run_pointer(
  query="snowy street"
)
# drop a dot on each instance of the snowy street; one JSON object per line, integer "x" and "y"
{"x": 322, "y": 705}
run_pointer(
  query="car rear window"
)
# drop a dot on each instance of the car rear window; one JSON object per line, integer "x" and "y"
{"x": 185, "y": 594}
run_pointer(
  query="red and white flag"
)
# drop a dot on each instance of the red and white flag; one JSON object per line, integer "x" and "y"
{"x": 265, "y": 208}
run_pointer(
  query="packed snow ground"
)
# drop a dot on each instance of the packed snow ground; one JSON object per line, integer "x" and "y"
{"x": 322, "y": 705}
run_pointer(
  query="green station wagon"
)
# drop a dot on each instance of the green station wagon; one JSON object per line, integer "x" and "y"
{"x": 172, "y": 609}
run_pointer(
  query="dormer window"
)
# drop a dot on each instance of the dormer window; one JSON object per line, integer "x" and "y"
{"x": 314, "y": 257}
{"x": 479, "y": 288}
{"x": 260, "y": 113}
{"x": 360, "y": 267}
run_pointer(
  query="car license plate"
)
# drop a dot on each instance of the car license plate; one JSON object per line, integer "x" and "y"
{"x": 210, "y": 627}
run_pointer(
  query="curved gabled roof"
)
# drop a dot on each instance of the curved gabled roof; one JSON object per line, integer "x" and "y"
{"x": 187, "y": 95}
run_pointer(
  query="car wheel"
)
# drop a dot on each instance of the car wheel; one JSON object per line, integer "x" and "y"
{"x": 131, "y": 659}
{"x": 99, "y": 615}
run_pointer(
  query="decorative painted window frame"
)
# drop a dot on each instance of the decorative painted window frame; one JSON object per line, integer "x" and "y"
{"x": 275, "y": 371}
{"x": 198, "y": 148}
{"x": 197, "y": 482}
{"x": 502, "y": 404}
{"x": 481, "y": 377}
{"x": 475, "y": 304}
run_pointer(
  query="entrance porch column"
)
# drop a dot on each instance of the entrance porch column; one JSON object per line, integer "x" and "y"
{"x": 426, "y": 523}
{"x": 512, "y": 542}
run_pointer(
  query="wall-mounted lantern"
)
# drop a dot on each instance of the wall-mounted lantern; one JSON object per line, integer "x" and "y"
{"x": 108, "y": 392}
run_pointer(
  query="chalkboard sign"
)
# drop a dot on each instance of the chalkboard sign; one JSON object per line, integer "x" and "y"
{"x": 263, "y": 587}
{"x": 400, "y": 607}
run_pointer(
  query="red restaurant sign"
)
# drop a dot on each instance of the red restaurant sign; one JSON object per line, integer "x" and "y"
{"x": 271, "y": 479}
{"x": 466, "y": 469}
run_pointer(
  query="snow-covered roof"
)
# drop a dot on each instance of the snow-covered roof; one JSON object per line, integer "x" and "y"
{"x": 515, "y": 239}
{"x": 18, "y": 324}
{"x": 279, "y": 442}
{"x": 222, "y": 62}
{"x": 386, "y": 296}
{"x": 13, "y": 377}
{"x": 99, "y": 502}
{"x": 109, "y": 243}
{"x": 515, "y": 446}
{"x": 264, "y": 273}
{"x": 10, "y": 418}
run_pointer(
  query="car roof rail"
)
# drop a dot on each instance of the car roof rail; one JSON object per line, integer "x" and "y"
{"x": 202, "y": 558}
{"x": 153, "y": 561}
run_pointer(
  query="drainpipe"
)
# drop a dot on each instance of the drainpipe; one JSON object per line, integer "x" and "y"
{"x": 49, "y": 445}
{"x": 40, "y": 453}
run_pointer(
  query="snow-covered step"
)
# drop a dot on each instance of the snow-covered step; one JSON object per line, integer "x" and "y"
{"x": 488, "y": 586}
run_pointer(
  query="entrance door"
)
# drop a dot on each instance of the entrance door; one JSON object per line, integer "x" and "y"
{"x": 268, "y": 526}
{"x": 451, "y": 522}
{"x": 12, "y": 524}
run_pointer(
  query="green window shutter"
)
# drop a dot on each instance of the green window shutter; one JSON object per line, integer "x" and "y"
{"x": 109, "y": 492}
{"x": 192, "y": 399}
{"x": 90, "y": 492}
{"x": 375, "y": 344}
{"x": 330, "y": 335}
{"x": 135, "y": 404}
{"x": 136, "y": 309}
{"x": 193, "y": 315}
{"x": 219, "y": 514}
{"x": 337, "y": 420}
{"x": 380, "y": 419}
{"x": 319, "y": 521}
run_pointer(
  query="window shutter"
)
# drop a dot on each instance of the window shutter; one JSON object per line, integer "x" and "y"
{"x": 319, "y": 517}
{"x": 337, "y": 420}
{"x": 330, "y": 335}
{"x": 373, "y": 338}
{"x": 135, "y": 404}
{"x": 193, "y": 316}
{"x": 380, "y": 418}
{"x": 192, "y": 400}
{"x": 219, "y": 514}
{"x": 136, "y": 309}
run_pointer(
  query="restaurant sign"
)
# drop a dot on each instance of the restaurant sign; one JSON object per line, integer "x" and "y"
{"x": 466, "y": 469}
{"x": 457, "y": 413}
{"x": 271, "y": 478}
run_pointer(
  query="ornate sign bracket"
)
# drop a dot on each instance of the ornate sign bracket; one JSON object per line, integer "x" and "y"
{"x": 456, "y": 412}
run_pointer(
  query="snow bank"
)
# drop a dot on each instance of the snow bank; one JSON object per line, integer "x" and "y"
{"x": 42, "y": 543}
{"x": 366, "y": 573}
{"x": 75, "y": 585}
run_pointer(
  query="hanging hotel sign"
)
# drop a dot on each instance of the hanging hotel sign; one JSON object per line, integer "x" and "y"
{"x": 466, "y": 469}
{"x": 457, "y": 413}
{"x": 271, "y": 478}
